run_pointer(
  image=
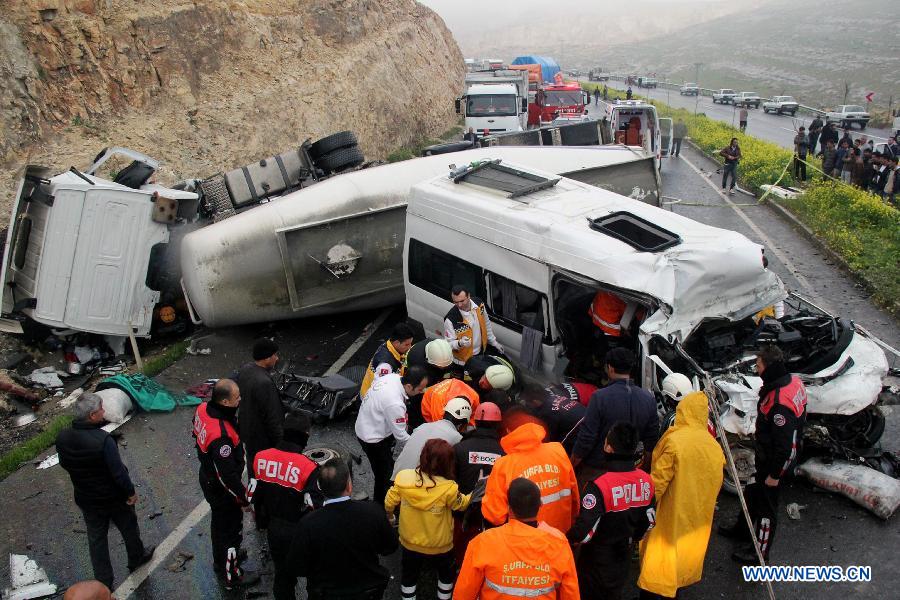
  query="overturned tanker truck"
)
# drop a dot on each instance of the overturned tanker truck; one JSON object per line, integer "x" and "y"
{"x": 312, "y": 231}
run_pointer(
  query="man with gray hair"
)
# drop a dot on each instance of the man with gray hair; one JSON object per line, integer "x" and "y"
{"x": 103, "y": 489}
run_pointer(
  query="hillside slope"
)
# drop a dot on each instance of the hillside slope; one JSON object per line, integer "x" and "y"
{"x": 206, "y": 86}
{"x": 786, "y": 47}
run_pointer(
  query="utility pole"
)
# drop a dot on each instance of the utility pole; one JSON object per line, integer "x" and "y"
{"x": 697, "y": 66}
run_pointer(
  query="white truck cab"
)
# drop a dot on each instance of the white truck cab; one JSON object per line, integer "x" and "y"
{"x": 495, "y": 107}
{"x": 537, "y": 247}
{"x": 79, "y": 247}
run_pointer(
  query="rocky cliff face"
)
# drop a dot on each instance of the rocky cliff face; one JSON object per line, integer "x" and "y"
{"x": 207, "y": 86}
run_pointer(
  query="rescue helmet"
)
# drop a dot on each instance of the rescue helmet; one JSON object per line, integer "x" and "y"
{"x": 676, "y": 386}
{"x": 458, "y": 408}
{"x": 488, "y": 411}
{"x": 439, "y": 353}
{"x": 500, "y": 377}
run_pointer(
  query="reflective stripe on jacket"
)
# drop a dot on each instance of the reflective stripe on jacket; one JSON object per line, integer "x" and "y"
{"x": 385, "y": 355}
{"x": 462, "y": 329}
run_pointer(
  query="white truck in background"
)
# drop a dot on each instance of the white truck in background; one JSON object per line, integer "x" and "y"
{"x": 496, "y": 101}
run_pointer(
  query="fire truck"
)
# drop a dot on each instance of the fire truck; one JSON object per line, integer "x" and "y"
{"x": 560, "y": 98}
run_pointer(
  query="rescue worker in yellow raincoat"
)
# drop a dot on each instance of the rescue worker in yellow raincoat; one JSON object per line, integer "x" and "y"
{"x": 687, "y": 474}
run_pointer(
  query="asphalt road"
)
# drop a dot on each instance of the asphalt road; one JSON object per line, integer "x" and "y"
{"x": 780, "y": 129}
{"x": 40, "y": 519}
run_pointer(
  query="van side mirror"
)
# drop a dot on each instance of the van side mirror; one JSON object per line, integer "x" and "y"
{"x": 458, "y": 104}
{"x": 525, "y": 104}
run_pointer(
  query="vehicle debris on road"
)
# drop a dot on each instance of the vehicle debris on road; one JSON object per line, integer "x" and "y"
{"x": 867, "y": 487}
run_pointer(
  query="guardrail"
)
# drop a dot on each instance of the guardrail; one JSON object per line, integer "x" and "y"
{"x": 709, "y": 92}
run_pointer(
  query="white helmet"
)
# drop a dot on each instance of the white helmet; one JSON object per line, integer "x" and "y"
{"x": 676, "y": 386}
{"x": 499, "y": 376}
{"x": 439, "y": 353}
{"x": 458, "y": 408}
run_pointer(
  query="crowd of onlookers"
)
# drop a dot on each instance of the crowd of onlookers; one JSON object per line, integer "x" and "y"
{"x": 858, "y": 162}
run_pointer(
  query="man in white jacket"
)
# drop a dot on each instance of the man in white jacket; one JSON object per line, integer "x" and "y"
{"x": 382, "y": 422}
{"x": 467, "y": 327}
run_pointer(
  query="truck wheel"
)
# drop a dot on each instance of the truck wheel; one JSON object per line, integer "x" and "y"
{"x": 335, "y": 141}
{"x": 862, "y": 126}
{"x": 793, "y": 113}
{"x": 340, "y": 159}
{"x": 765, "y": 110}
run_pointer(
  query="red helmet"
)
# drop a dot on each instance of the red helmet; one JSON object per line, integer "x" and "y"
{"x": 488, "y": 411}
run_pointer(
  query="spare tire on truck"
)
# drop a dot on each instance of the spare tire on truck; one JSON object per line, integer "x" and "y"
{"x": 341, "y": 159}
{"x": 335, "y": 141}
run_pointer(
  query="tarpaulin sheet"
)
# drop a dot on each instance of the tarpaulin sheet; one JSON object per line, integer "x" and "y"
{"x": 147, "y": 393}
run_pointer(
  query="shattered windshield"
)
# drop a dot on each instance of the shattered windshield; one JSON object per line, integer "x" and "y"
{"x": 492, "y": 106}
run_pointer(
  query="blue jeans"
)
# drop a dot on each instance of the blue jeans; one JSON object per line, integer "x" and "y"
{"x": 730, "y": 168}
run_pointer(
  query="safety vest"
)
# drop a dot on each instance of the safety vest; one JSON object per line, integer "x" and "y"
{"x": 606, "y": 312}
{"x": 462, "y": 329}
{"x": 791, "y": 396}
{"x": 624, "y": 490}
{"x": 287, "y": 469}
{"x": 386, "y": 354}
{"x": 208, "y": 429}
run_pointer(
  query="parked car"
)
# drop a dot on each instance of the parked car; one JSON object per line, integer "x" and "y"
{"x": 724, "y": 96}
{"x": 747, "y": 99}
{"x": 847, "y": 115}
{"x": 689, "y": 89}
{"x": 780, "y": 105}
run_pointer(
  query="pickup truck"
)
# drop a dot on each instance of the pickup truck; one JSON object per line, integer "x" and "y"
{"x": 689, "y": 89}
{"x": 780, "y": 105}
{"x": 647, "y": 82}
{"x": 724, "y": 96}
{"x": 848, "y": 114}
{"x": 747, "y": 99}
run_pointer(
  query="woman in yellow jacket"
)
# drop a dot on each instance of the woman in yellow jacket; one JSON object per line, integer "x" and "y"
{"x": 427, "y": 495}
{"x": 687, "y": 474}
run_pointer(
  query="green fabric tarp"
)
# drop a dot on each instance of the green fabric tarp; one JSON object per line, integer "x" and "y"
{"x": 147, "y": 393}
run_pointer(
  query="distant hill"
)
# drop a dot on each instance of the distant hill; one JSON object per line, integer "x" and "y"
{"x": 794, "y": 47}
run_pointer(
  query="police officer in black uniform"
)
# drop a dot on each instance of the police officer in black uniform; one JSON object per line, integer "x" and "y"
{"x": 780, "y": 418}
{"x": 284, "y": 490}
{"x": 617, "y": 508}
{"x": 221, "y": 457}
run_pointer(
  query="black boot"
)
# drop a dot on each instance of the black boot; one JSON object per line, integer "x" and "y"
{"x": 736, "y": 531}
{"x": 746, "y": 555}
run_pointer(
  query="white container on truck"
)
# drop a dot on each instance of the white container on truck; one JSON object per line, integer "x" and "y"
{"x": 496, "y": 101}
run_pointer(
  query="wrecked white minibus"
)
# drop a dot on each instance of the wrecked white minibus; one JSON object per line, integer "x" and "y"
{"x": 537, "y": 248}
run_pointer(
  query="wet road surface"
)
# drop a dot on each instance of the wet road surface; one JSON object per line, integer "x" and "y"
{"x": 41, "y": 520}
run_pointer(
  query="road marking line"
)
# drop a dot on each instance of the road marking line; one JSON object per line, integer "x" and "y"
{"x": 801, "y": 279}
{"x": 134, "y": 581}
{"x": 362, "y": 339}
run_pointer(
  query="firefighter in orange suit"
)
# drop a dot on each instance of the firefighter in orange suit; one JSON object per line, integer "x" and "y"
{"x": 524, "y": 558}
{"x": 546, "y": 464}
{"x": 611, "y": 314}
{"x": 437, "y": 396}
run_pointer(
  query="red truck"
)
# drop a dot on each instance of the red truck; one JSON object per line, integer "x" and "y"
{"x": 558, "y": 98}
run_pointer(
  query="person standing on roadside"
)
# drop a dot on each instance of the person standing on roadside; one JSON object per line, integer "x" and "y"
{"x": 743, "y": 115}
{"x": 471, "y": 136}
{"x": 780, "y": 419}
{"x": 605, "y": 92}
{"x": 221, "y": 456}
{"x": 829, "y": 159}
{"x": 261, "y": 416}
{"x": 597, "y": 96}
{"x": 628, "y": 93}
{"x": 337, "y": 546}
{"x": 732, "y": 155}
{"x": 801, "y": 148}
{"x": 381, "y": 422}
{"x": 679, "y": 132}
{"x": 847, "y": 137}
{"x": 815, "y": 130}
{"x": 103, "y": 490}
{"x": 829, "y": 133}
{"x": 842, "y": 161}
{"x": 687, "y": 476}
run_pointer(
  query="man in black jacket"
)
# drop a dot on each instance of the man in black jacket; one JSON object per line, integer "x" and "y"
{"x": 284, "y": 490}
{"x": 621, "y": 400}
{"x": 221, "y": 456}
{"x": 617, "y": 508}
{"x": 262, "y": 414}
{"x": 337, "y": 547}
{"x": 780, "y": 418}
{"x": 829, "y": 133}
{"x": 560, "y": 412}
{"x": 815, "y": 130}
{"x": 103, "y": 489}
